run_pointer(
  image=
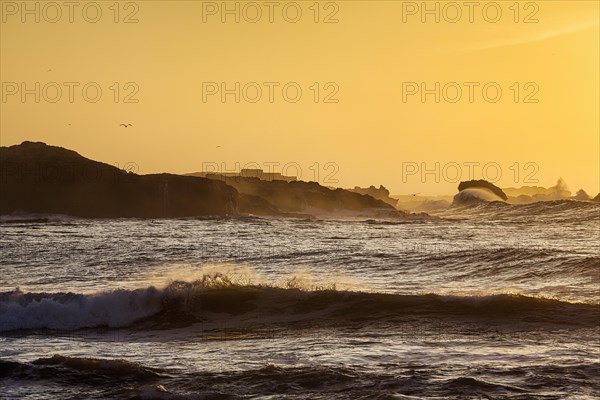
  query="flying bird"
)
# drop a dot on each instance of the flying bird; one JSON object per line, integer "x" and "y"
{"x": 125, "y": 125}
{"x": 414, "y": 194}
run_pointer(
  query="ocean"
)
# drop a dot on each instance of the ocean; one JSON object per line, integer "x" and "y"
{"x": 492, "y": 301}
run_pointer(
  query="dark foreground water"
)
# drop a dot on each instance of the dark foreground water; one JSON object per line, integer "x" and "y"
{"x": 489, "y": 302}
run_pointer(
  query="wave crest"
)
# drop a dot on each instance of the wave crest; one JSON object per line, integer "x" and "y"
{"x": 217, "y": 298}
{"x": 19, "y": 310}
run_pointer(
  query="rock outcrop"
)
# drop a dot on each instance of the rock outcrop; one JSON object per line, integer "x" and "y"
{"x": 260, "y": 197}
{"x": 37, "y": 178}
{"x": 380, "y": 193}
{"x": 581, "y": 195}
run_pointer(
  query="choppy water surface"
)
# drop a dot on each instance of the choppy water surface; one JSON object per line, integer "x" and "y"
{"x": 488, "y": 302}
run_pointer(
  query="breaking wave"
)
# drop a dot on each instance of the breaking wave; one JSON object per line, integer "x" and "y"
{"x": 569, "y": 211}
{"x": 216, "y": 298}
{"x": 19, "y": 310}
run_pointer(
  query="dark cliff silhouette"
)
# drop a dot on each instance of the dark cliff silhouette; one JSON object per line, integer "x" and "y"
{"x": 37, "y": 178}
{"x": 380, "y": 193}
{"x": 294, "y": 198}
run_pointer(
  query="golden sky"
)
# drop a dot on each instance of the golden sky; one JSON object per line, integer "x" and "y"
{"x": 544, "y": 57}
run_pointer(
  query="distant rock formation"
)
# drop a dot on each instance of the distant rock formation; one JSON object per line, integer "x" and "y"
{"x": 597, "y": 198}
{"x": 483, "y": 184}
{"x": 531, "y": 194}
{"x": 247, "y": 173}
{"x": 380, "y": 194}
{"x": 526, "y": 191}
{"x": 581, "y": 195}
{"x": 37, "y": 178}
{"x": 299, "y": 198}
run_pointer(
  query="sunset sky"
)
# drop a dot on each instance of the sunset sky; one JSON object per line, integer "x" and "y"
{"x": 376, "y": 49}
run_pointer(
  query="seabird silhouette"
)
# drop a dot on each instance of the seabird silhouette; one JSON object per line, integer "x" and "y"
{"x": 125, "y": 125}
